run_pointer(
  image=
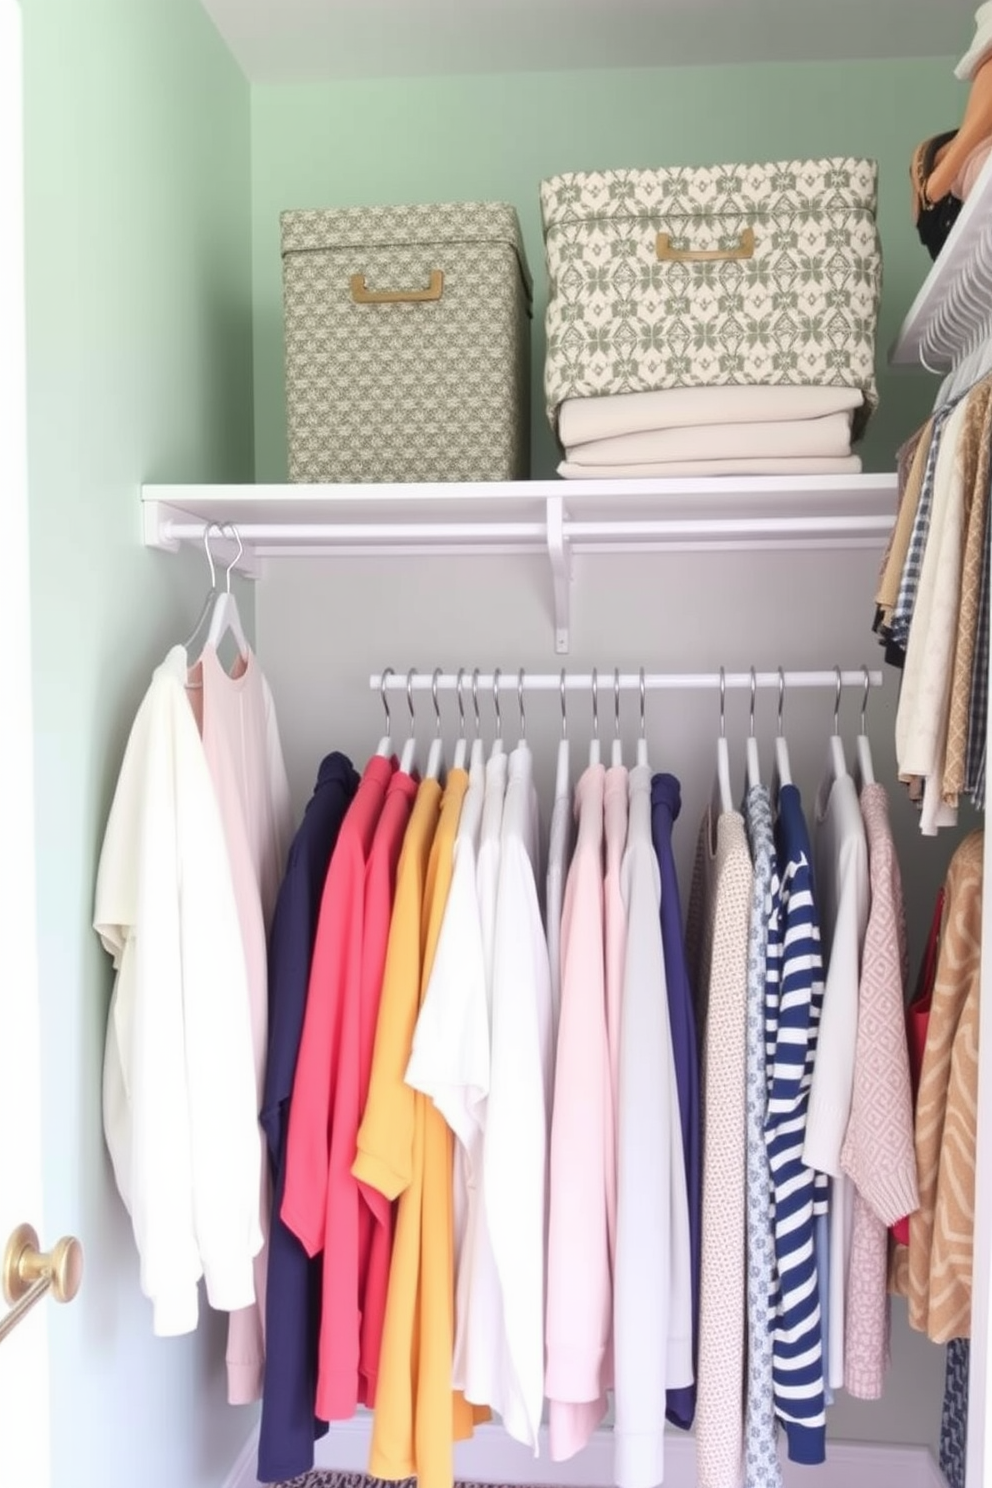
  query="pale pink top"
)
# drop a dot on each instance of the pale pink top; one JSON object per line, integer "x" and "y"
{"x": 237, "y": 722}
{"x": 615, "y": 924}
{"x": 580, "y": 1294}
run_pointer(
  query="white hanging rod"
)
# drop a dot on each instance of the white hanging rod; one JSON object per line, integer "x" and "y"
{"x": 508, "y": 681}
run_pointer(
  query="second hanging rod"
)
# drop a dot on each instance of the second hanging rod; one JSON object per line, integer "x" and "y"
{"x": 511, "y": 680}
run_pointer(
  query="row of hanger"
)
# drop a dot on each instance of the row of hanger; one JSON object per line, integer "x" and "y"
{"x": 723, "y": 792}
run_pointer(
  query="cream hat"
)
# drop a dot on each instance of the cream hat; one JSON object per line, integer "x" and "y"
{"x": 981, "y": 46}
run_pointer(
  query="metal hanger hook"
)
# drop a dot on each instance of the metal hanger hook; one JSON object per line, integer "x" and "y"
{"x": 723, "y": 704}
{"x": 409, "y": 697}
{"x": 616, "y": 701}
{"x": 754, "y": 690}
{"x": 520, "y": 703}
{"x": 237, "y": 558}
{"x": 437, "y": 707}
{"x": 837, "y": 700}
{"x": 642, "y": 692}
{"x": 385, "y": 701}
{"x": 499, "y": 718}
{"x": 864, "y": 700}
{"x": 781, "y": 700}
{"x": 475, "y": 702}
{"x": 564, "y": 714}
{"x": 211, "y": 527}
{"x": 461, "y": 702}
{"x": 595, "y": 702}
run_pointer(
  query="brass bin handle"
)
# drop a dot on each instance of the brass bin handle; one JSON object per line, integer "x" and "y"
{"x": 362, "y": 295}
{"x": 668, "y": 254}
{"x": 29, "y": 1273}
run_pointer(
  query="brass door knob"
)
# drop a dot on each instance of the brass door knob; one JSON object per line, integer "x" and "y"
{"x": 24, "y": 1266}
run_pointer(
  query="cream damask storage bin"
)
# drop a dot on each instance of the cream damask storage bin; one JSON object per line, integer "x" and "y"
{"x": 407, "y": 343}
{"x": 730, "y": 274}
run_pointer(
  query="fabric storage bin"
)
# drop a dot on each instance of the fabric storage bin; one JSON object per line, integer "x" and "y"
{"x": 701, "y": 277}
{"x": 407, "y": 335}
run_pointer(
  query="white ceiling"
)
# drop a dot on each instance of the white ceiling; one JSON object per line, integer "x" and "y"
{"x": 297, "y": 40}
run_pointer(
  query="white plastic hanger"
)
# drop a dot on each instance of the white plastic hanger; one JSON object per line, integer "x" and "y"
{"x": 385, "y": 746}
{"x": 226, "y": 619}
{"x": 723, "y": 798}
{"x": 498, "y": 740}
{"x": 212, "y": 591}
{"x": 562, "y": 772}
{"x": 594, "y": 741}
{"x": 435, "y": 759}
{"x": 409, "y": 757}
{"x": 478, "y": 752}
{"x": 752, "y": 759}
{"x": 866, "y": 769}
{"x": 642, "y": 741}
{"x": 836, "y": 759}
{"x": 783, "y": 770}
{"x": 616, "y": 755}
{"x": 461, "y": 747}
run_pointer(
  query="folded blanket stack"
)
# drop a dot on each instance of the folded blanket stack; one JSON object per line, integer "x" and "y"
{"x": 738, "y": 430}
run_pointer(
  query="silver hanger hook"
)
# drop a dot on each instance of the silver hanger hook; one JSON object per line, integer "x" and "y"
{"x": 595, "y": 702}
{"x": 754, "y": 689}
{"x": 520, "y": 703}
{"x": 837, "y": 700}
{"x": 642, "y": 691}
{"x": 475, "y": 702}
{"x": 237, "y": 558}
{"x": 864, "y": 700}
{"x": 211, "y": 527}
{"x": 499, "y": 719}
{"x": 385, "y": 701}
{"x": 616, "y": 701}
{"x": 437, "y": 707}
{"x": 781, "y": 700}
{"x": 564, "y": 714}
{"x": 409, "y": 697}
{"x": 723, "y": 704}
{"x": 461, "y": 702}
{"x": 926, "y": 365}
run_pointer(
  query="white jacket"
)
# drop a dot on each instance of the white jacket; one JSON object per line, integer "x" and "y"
{"x": 179, "y": 1086}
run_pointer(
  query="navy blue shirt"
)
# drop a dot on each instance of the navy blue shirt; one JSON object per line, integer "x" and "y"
{"x": 666, "y": 803}
{"x": 292, "y": 1311}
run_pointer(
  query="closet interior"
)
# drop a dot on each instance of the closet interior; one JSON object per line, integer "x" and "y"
{"x": 697, "y": 621}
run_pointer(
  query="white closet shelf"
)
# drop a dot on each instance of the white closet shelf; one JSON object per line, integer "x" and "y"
{"x": 952, "y": 314}
{"x": 556, "y": 518}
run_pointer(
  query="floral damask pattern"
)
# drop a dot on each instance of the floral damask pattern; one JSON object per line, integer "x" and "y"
{"x": 800, "y": 310}
{"x": 426, "y": 391}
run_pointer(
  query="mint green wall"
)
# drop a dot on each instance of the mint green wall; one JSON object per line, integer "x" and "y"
{"x": 496, "y": 137}
{"x": 139, "y": 346}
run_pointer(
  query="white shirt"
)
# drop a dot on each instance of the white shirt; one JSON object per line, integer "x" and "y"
{"x": 179, "y": 1101}
{"x": 840, "y": 868}
{"x": 516, "y": 1138}
{"x": 652, "y": 1317}
{"x": 449, "y": 1059}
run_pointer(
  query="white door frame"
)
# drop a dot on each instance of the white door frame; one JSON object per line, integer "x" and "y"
{"x": 25, "y": 1407}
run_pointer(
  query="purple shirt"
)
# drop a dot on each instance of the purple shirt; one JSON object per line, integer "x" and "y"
{"x": 666, "y": 802}
{"x": 292, "y": 1313}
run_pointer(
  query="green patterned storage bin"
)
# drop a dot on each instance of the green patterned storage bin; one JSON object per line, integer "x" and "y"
{"x": 730, "y": 274}
{"x": 407, "y": 343}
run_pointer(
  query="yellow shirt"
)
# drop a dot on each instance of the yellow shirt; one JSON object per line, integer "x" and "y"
{"x": 405, "y": 1148}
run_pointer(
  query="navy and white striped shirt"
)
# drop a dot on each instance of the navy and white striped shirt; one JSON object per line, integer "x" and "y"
{"x": 793, "y": 1003}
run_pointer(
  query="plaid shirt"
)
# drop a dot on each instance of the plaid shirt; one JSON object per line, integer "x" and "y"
{"x": 902, "y": 615}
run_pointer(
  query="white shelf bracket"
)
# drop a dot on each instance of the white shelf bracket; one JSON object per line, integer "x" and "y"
{"x": 560, "y": 555}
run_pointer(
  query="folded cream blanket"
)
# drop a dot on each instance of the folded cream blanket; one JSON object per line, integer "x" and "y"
{"x": 573, "y": 470}
{"x": 583, "y": 419}
{"x": 827, "y": 437}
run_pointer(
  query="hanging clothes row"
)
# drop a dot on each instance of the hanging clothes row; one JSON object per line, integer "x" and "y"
{"x": 539, "y": 1144}
{"x": 932, "y": 607}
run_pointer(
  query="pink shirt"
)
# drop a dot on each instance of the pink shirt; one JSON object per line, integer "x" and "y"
{"x": 335, "y": 983}
{"x": 615, "y": 924}
{"x": 580, "y": 1298}
{"x": 237, "y": 722}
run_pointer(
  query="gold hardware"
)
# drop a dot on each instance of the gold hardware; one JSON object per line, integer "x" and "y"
{"x": 29, "y": 1273}
{"x": 668, "y": 254}
{"x": 362, "y": 295}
